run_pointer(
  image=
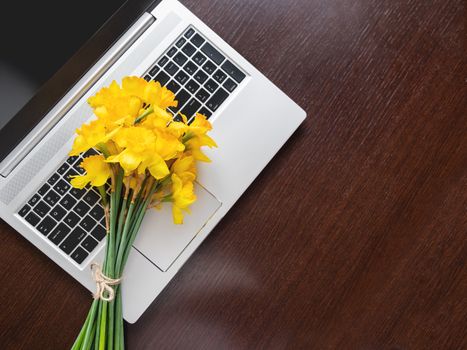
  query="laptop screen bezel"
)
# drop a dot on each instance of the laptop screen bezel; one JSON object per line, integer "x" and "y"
{"x": 59, "y": 84}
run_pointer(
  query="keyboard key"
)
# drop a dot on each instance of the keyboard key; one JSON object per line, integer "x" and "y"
{"x": 163, "y": 61}
{"x": 79, "y": 255}
{"x": 71, "y": 219}
{"x": 181, "y": 77}
{"x": 46, "y": 226}
{"x": 190, "y": 68}
{"x": 69, "y": 174}
{"x": 68, "y": 202}
{"x": 199, "y": 58}
{"x": 78, "y": 168}
{"x": 24, "y": 210}
{"x": 191, "y": 108}
{"x": 53, "y": 179}
{"x": 200, "y": 76}
{"x": 77, "y": 192}
{"x": 43, "y": 190}
{"x": 206, "y": 112}
{"x": 154, "y": 70}
{"x": 59, "y": 233}
{"x": 41, "y": 209}
{"x": 180, "y": 42}
{"x": 173, "y": 86}
{"x": 91, "y": 197}
{"x": 180, "y": 59}
{"x": 89, "y": 243}
{"x": 90, "y": 152}
{"x": 73, "y": 240}
{"x": 147, "y": 77}
{"x": 33, "y": 219}
{"x": 162, "y": 78}
{"x": 209, "y": 67}
{"x": 171, "y": 68}
{"x": 172, "y": 51}
{"x": 216, "y": 100}
{"x": 97, "y": 212}
{"x": 32, "y": 202}
{"x": 81, "y": 209}
{"x": 88, "y": 223}
{"x": 197, "y": 40}
{"x": 219, "y": 76}
{"x": 189, "y": 33}
{"x": 51, "y": 198}
{"x": 178, "y": 118}
{"x": 182, "y": 97}
{"x": 192, "y": 86}
{"x": 98, "y": 232}
{"x": 211, "y": 85}
{"x": 233, "y": 71}
{"x": 71, "y": 159}
{"x": 63, "y": 168}
{"x": 202, "y": 95}
{"x": 230, "y": 85}
{"x": 62, "y": 187}
{"x": 189, "y": 49}
{"x": 212, "y": 53}
{"x": 58, "y": 212}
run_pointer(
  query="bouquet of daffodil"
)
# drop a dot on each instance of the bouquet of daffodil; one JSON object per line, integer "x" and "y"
{"x": 146, "y": 158}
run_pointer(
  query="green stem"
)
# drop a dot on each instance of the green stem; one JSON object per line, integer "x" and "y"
{"x": 98, "y": 325}
{"x": 111, "y": 321}
{"x": 136, "y": 225}
{"x": 121, "y": 220}
{"x": 124, "y": 239}
{"x": 111, "y": 266}
{"x": 144, "y": 115}
{"x": 79, "y": 339}
{"x": 103, "y": 326}
{"x": 91, "y": 325}
{"x": 118, "y": 320}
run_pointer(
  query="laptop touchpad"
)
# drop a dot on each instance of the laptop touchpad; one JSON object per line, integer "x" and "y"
{"x": 161, "y": 241}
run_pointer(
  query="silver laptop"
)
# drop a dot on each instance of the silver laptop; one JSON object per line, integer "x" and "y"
{"x": 251, "y": 120}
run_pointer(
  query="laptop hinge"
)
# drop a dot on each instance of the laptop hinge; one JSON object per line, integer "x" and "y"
{"x": 70, "y": 99}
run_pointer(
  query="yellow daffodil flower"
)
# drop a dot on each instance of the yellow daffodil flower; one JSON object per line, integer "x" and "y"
{"x": 183, "y": 196}
{"x": 185, "y": 168}
{"x": 135, "y": 130}
{"x": 196, "y": 137}
{"x": 88, "y": 136}
{"x": 97, "y": 172}
{"x": 139, "y": 152}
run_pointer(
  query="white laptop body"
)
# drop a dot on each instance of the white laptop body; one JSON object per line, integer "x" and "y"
{"x": 251, "y": 124}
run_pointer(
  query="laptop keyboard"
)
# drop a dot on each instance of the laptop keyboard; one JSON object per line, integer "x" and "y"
{"x": 70, "y": 218}
{"x": 201, "y": 77}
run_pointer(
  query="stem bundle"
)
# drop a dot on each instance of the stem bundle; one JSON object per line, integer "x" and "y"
{"x": 103, "y": 328}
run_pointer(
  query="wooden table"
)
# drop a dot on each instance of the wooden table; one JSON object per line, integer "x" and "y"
{"x": 354, "y": 237}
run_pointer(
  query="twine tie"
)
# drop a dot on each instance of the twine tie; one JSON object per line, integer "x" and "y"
{"x": 103, "y": 283}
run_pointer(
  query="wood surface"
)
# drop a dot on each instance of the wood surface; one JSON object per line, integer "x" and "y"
{"x": 353, "y": 237}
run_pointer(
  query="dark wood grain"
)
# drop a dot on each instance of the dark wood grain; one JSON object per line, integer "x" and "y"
{"x": 354, "y": 237}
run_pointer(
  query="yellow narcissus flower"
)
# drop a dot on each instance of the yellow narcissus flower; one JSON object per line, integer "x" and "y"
{"x": 167, "y": 145}
{"x": 88, "y": 136}
{"x": 159, "y": 96}
{"x": 196, "y": 137}
{"x": 185, "y": 168}
{"x": 139, "y": 152}
{"x": 97, "y": 172}
{"x": 115, "y": 107}
{"x": 151, "y": 93}
{"x": 183, "y": 196}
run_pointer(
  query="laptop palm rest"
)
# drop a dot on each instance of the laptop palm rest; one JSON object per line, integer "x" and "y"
{"x": 161, "y": 241}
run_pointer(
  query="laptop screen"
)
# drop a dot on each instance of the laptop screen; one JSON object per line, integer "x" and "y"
{"x": 37, "y": 38}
